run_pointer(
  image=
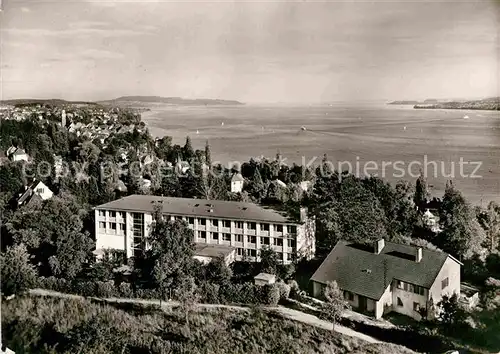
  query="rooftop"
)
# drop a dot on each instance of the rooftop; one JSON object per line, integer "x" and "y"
{"x": 212, "y": 251}
{"x": 265, "y": 276}
{"x": 357, "y": 268}
{"x": 217, "y": 209}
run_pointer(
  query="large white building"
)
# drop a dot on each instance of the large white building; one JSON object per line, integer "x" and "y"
{"x": 122, "y": 224}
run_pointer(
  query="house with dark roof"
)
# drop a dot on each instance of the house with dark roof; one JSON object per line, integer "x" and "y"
{"x": 122, "y": 224}
{"x": 387, "y": 277}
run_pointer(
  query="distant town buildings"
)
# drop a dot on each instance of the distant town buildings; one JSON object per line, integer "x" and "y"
{"x": 122, "y": 224}
{"x": 389, "y": 277}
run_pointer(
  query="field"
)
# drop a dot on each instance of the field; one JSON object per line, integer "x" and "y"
{"x": 390, "y": 135}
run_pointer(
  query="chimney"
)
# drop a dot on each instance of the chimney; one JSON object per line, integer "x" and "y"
{"x": 418, "y": 254}
{"x": 379, "y": 245}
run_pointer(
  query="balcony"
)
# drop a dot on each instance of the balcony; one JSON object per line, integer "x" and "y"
{"x": 263, "y": 233}
{"x": 251, "y": 232}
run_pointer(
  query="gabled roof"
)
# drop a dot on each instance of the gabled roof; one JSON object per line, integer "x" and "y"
{"x": 358, "y": 269}
{"x": 217, "y": 209}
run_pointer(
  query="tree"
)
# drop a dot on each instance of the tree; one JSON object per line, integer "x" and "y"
{"x": 188, "y": 151}
{"x": 218, "y": 272}
{"x": 492, "y": 225}
{"x": 450, "y": 314}
{"x": 357, "y": 214}
{"x": 268, "y": 261}
{"x": 421, "y": 191}
{"x": 462, "y": 235}
{"x": 53, "y": 232}
{"x": 208, "y": 155}
{"x": 188, "y": 296}
{"x": 335, "y": 304}
{"x": 169, "y": 260}
{"x": 18, "y": 274}
{"x": 163, "y": 147}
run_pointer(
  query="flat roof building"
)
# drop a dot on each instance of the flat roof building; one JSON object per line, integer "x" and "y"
{"x": 246, "y": 227}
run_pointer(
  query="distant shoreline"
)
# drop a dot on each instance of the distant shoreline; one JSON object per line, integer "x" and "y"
{"x": 488, "y": 104}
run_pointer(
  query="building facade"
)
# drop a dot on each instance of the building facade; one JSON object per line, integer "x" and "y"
{"x": 124, "y": 223}
{"x": 389, "y": 277}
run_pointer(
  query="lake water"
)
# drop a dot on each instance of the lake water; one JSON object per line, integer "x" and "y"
{"x": 394, "y": 142}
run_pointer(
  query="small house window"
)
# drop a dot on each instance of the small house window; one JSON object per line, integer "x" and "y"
{"x": 264, "y": 227}
{"x": 102, "y": 213}
{"x": 226, "y": 223}
{"x": 252, "y": 226}
{"x": 215, "y": 236}
{"x": 444, "y": 283}
{"x": 238, "y": 225}
{"x": 416, "y": 306}
{"x": 191, "y": 221}
{"x": 202, "y": 234}
{"x": 239, "y": 238}
{"x": 400, "y": 285}
{"x": 226, "y": 237}
{"x": 400, "y": 302}
{"x": 349, "y": 296}
{"x": 252, "y": 239}
{"x": 265, "y": 240}
{"x": 202, "y": 222}
{"x": 112, "y": 214}
{"x": 279, "y": 228}
{"x": 102, "y": 225}
{"x": 292, "y": 229}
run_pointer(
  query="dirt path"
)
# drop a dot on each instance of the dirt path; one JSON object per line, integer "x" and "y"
{"x": 283, "y": 311}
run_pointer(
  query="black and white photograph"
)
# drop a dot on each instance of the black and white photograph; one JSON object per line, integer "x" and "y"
{"x": 254, "y": 176}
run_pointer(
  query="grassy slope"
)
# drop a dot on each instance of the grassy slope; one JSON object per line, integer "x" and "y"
{"x": 42, "y": 325}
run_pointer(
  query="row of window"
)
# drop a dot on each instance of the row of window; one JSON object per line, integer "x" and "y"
{"x": 253, "y": 253}
{"x": 416, "y": 305}
{"x": 112, "y": 214}
{"x": 112, "y": 226}
{"x": 271, "y": 241}
{"x": 292, "y": 229}
{"x": 410, "y": 287}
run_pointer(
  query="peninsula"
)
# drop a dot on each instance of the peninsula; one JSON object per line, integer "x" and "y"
{"x": 176, "y": 101}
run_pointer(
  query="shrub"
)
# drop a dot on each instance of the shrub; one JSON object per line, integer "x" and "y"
{"x": 49, "y": 283}
{"x": 125, "y": 290}
{"x": 284, "y": 290}
{"x": 105, "y": 289}
{"x": 210, "y": 293}
{"x": 270, "y": 294}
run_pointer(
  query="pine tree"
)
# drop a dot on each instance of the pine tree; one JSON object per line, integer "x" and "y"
{"x": 208, "y": 155}
{"x": 188, "y": 150}
{"x": 421, "y": 192}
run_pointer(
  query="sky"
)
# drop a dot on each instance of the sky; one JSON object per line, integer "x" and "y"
{"x": 254, "y": 51}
